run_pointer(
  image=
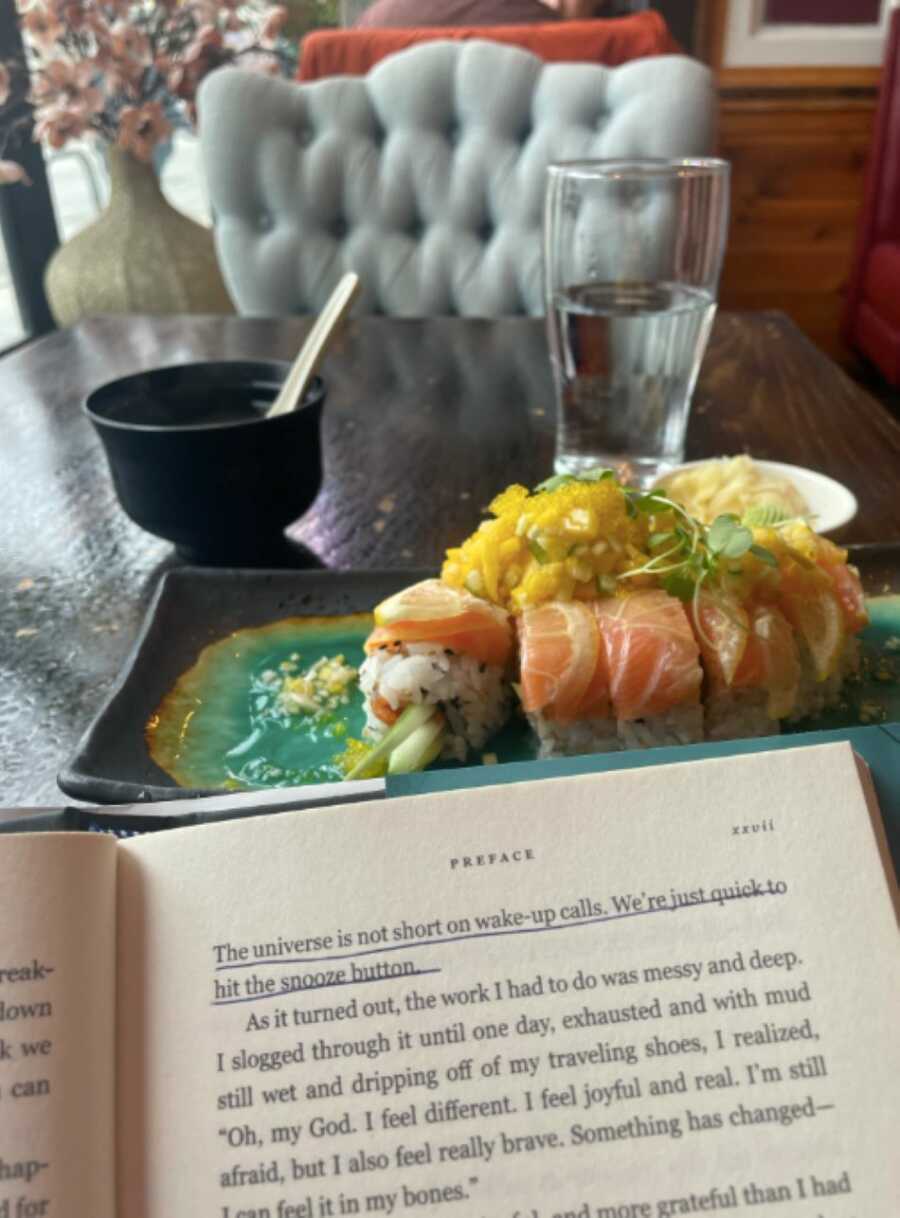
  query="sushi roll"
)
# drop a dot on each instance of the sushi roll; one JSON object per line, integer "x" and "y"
{"x": 637, "y": 626}
{"x": 620, "y": 672}
{"x": 444, "y": 650}
{"x": 654, "y": 668}
{"x": 828, "y": 655}
{"x": 564, "y": 680}
{"x": 751, "y": 666}
{"x": 778, "y": 645}
{"x": 821, "y": 596}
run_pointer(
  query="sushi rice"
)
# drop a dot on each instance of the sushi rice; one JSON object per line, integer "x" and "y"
{"x": 569, "y": 739}
{"x": 814, "y": 695}
{"x": 737, "y": 714}
{"x": 475, "y": 697}
{"x": 678, "y": 725}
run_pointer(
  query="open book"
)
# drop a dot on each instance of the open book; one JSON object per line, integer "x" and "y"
{"x": 631, "y": 995}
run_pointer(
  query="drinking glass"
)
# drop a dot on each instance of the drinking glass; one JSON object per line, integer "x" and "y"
{"x": 632, "y": 255}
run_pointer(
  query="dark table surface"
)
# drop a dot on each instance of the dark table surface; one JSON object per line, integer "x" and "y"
{"x": 425, "y": 421}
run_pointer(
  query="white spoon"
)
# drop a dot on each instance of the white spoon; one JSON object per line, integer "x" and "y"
{"x": 310, "y": 356}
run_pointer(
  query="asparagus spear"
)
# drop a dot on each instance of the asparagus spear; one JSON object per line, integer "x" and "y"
{"x": 416, "y": 715}
{"x": 419, "y": 749}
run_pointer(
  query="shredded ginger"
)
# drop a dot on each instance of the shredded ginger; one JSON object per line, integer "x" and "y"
{"x": 731, "y": 485}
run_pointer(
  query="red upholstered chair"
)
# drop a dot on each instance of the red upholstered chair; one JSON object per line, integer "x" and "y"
{"x": 872, "y": 317}
{"x": 609, "y": 41}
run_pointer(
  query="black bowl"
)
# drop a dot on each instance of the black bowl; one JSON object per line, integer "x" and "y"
{"x": 194, "y": 460}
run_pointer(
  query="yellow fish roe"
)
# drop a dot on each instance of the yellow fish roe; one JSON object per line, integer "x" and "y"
{"x": 566, "y": 544}
{"x": 353, "y": 753}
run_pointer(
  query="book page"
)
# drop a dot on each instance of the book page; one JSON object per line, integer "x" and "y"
{"x": 57, "y": 1007}
{"x": 641, "y": 994}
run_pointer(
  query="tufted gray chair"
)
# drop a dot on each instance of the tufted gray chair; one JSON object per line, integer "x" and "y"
{"x": 426, "y": 176}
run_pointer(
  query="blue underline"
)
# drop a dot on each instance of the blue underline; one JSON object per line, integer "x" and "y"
{"x": 328, "y": 985}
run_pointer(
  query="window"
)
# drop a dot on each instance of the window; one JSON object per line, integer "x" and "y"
{"x": 27, "y": 224}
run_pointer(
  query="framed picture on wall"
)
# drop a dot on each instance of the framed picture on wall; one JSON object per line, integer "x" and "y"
{"x": 840, "y": 41}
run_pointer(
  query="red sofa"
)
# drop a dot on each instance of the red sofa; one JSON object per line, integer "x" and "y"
{"x": 872, "y": 316}
{"x": 609, "y": 41}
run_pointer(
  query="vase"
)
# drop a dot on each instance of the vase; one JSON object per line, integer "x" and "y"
{"x": 139, "y": 256}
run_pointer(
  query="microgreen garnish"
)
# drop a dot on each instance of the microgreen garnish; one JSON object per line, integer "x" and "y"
{"x": 656, "y": 540}
{"x": 538, "y": 551}
{"x": 590, "y": 475}
{"x": 728, "y": 537}
{"x": 680, "y": 586}
{"x": 764, "y": 555}
{"x": 652, "y": 501}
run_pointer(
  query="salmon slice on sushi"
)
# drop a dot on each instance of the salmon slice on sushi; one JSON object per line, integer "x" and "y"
{"x": 821, "y": 596}
{"x": 564, "y": 682}
{"x": 445, "y": 652}
{"x": 828, "y": 649}
{"x": 654, "y": 669}
{"x": 751, "y": 663}
{"x": 779, "y": 639}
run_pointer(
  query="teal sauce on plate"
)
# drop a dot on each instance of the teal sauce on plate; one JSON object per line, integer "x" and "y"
{"x": 221, "y": 725}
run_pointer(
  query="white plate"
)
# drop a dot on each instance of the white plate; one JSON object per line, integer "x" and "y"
{"x": 831, "y": 505}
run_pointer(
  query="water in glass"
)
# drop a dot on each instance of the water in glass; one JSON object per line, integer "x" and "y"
{"x": 625, "y": 357}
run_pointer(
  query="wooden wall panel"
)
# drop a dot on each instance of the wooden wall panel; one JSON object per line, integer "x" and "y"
{"x": 798, "y": 168}
{"x": 798, "y": 140}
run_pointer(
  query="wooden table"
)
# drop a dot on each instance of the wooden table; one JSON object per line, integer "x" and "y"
{"x": 425, "y": 421}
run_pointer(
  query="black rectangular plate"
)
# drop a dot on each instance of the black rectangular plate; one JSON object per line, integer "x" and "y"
{"x": 194, "y": 606}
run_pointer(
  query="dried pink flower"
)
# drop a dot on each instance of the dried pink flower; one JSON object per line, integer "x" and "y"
{"x": 96, "y": 23}
{"x": 57, "y": 126}
{"x": 122, "y": 73}
{"x": 68, "y": 86}
{"x": 42, "y": 24}
{"x": 118, "y": 67}
{"x": 185, "y": 73}
{"x": 76, "y": 14}
{"x": 11, "y": 172}
{"x": 126, "y": 41}
{"x": 141, "y": 128}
